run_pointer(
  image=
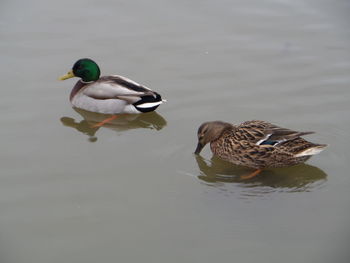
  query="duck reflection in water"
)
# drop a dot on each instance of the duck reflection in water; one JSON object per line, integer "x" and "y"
{"x": 297, "y": 178}
{"x": 91, "y": 120}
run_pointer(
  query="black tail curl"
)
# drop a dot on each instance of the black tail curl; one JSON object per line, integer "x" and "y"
{"x": 148, "y": 99}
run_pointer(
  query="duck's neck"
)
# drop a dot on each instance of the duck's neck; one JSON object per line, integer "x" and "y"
{"x": 220, "y": 128}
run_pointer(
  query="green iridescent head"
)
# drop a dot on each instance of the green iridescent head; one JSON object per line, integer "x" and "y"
{"x": 84, "y": 68}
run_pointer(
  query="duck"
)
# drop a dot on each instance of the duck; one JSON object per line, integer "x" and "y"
{"x": 256, "y": 144}
{"x": 112, "y": 94}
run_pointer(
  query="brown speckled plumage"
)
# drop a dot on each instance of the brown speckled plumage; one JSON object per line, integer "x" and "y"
{"x": 256, "y": 144}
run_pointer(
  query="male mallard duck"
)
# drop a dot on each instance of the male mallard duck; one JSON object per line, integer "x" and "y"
{"x": 109, "y": 94}
{"x": 256, "y": 144}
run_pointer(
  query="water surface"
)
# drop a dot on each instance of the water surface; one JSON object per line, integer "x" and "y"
{"x": 132, "y": 190}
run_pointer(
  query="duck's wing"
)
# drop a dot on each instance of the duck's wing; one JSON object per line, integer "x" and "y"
{"x": 265, "y": 133}
{"x": 117, "y": 87}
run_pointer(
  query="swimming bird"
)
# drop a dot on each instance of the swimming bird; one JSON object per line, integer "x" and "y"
{"x": 256, "y": 144}
{"x": 109, "y": 94}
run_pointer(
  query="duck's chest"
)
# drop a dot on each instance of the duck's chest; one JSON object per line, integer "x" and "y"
{"x": 225, "y": 146}
{"x": 233, "y": 150}
{"x": 77, "y": 88}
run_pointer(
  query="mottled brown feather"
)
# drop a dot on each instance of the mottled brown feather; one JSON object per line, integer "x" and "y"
{"x": 238, "y": 144}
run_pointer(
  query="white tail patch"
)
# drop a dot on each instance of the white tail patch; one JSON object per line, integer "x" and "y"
{"x": 311, "y": 151}
{"x": 149, "y": 104}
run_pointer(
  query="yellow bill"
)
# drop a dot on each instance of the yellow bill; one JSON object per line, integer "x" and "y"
{"x": 69, "y": 75}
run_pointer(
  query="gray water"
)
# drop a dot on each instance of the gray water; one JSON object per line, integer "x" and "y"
{"x": 132, "y": 190}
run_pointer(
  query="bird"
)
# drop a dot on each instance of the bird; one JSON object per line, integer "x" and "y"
{"x": 256, "y": 144}
{"x": 112, "y": 94}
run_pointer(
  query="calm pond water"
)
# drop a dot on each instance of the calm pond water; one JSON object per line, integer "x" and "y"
{"x": 132, "y": 191}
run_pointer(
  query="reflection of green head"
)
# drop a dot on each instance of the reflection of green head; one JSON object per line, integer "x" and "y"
{"x": 86, "y": 69}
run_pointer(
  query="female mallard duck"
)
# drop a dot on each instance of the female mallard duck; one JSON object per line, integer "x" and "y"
{"x": 256, "y": 144}
{"x": 109, "y": 94}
